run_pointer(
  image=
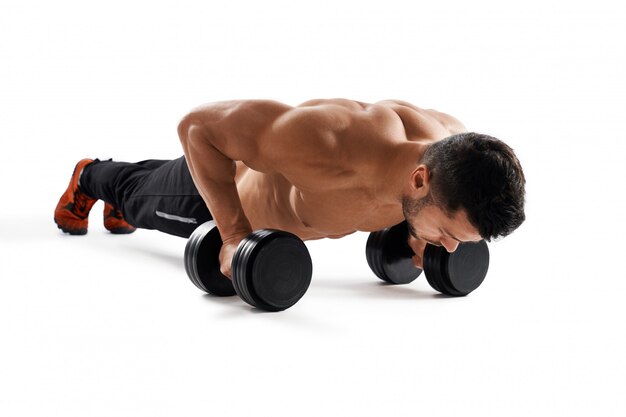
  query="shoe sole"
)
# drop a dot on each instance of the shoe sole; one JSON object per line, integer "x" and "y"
{"x": 74, "y": 232}
{"x": 121, "y": 230}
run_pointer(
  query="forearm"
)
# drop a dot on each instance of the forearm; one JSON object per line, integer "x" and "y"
{"x": 214, "y": 176}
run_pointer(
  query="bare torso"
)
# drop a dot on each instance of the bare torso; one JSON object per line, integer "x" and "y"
{"x": 346, "y": 187}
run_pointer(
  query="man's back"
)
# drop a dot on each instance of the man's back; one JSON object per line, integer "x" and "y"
{"x": 329, "y": 167}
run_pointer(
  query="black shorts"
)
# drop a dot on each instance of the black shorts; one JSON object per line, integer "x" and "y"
{"x": 152, "y": 194}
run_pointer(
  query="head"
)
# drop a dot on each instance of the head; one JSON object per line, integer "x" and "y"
{"x": 466, "y": 187}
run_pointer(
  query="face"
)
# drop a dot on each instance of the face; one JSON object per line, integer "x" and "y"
{"x": 428, "y": 222}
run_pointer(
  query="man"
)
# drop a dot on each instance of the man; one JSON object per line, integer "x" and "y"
{"x": 325, "y": 168}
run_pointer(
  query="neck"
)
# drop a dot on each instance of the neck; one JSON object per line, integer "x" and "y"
{"x": 399, "y": 168}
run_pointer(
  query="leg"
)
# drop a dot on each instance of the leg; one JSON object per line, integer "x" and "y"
{"x": 152, "y": 163}
{"x": 151, "y": 194}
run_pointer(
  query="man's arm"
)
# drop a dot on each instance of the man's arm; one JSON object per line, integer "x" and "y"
{"x": 216, "y": 135}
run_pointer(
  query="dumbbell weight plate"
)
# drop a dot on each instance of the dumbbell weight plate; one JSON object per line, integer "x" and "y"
{"x": 389, "y": 255}
{"x": 272, "y": 269}
{"x": 457, "y": 273}
{"x": 191, "y": 254}
{"x": 191, "y": 249}
{"x": 202, "y": 260}
{"x": 434, "y": 257}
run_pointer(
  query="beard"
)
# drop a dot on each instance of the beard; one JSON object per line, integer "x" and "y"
{"x": 411, "y": 207}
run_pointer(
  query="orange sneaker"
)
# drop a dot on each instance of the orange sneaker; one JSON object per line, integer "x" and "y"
{"x": 114, "y": 221}
{"x": 72, "y": 211}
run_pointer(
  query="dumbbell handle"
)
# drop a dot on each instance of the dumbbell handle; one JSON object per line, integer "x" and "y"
{"x": 406, "y": 251}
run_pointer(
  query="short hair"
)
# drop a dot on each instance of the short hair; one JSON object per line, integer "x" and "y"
{"x": 482, "y": 175}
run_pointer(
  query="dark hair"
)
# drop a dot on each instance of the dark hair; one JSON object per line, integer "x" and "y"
{"x": 482, "y": 175}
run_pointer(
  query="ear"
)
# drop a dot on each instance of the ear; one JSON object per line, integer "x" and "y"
{"x": 420, "y": 181}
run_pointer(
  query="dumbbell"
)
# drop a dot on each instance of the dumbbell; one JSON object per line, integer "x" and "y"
{"x": 271, "y": 269}
{"x": 457, "y": 274}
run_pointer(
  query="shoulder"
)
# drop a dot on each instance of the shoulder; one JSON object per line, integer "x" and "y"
{"x": 426, "y": 119}
{"x": 339, "y": 115}
{"x": 321, "y": 117}
{"x": 450, "y": 122}
{"x": 340, "y": 102}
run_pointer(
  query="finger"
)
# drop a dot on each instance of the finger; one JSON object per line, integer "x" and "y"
{"x": 226, "y": 272}
{"x": 417, "y": 261}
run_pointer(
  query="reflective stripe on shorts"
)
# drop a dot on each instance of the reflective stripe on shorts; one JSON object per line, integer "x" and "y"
{"x": 177, "y": 218}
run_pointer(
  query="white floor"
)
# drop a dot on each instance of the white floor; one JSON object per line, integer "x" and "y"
{"x": 110, "y": 325}
{"x": 104, "y": 325}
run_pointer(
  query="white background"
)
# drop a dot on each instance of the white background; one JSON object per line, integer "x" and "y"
{"x": 104, "y": 325}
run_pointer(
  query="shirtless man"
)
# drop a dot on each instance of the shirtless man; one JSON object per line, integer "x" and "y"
{"x": 324, "y": 168}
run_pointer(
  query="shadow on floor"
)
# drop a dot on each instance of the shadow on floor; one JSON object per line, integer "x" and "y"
{"x": 157, "y": 255}
{"x": 372, "y": 289}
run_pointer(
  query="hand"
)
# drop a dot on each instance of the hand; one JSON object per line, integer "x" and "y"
{"x": 226, "y": 255}
{"x": 417, "y": 246}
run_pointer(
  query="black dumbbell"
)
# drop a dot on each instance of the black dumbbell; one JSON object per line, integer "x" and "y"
{"x": 271, "y": 269}
{"x": 457, "y": 274}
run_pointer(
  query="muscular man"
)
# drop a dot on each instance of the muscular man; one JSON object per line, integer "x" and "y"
{"x": 324, "y": 168}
